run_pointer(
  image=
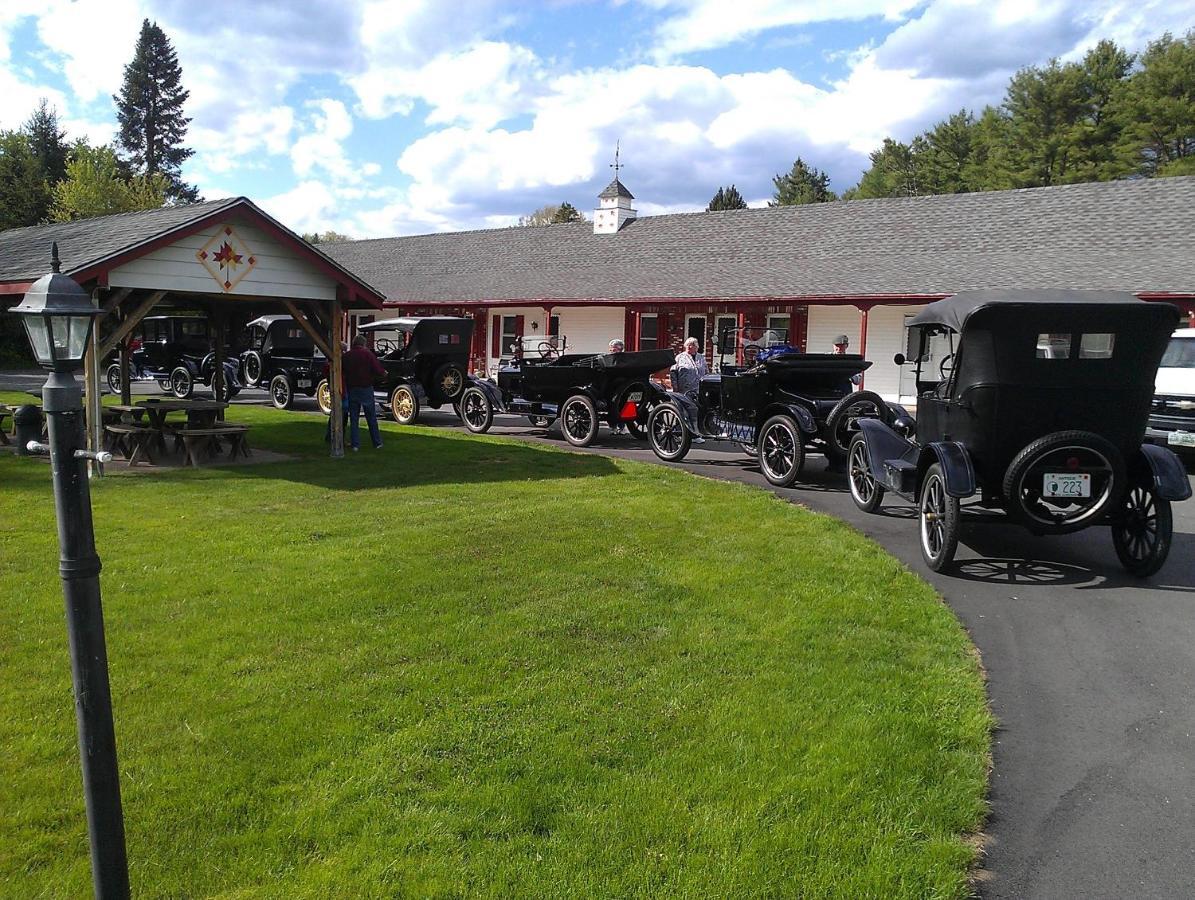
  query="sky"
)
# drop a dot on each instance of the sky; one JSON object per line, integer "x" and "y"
{"x": 387, "y": 117}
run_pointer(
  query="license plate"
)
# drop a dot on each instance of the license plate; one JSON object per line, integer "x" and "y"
{"x": 304, "y": 382}
{"x": 1057, "y": 484}
{"x": 1181, "y": 439}
{"x": 635, "y": 396}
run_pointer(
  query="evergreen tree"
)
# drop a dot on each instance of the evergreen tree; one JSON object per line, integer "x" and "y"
{"x": 945, "y": 153}
{"x": 802, "y": 184}
{"x": 1104, "y": 70}
{"x": 95, "y": 186}
{"x": 893, "y": 173}
{"x": 24, "y": 193}
{"x": 567, "y": 213}
{"x": 150, "y": 111}
{"x": 1156, "y": 109}
{"x": 726, "y": 198}
{"x": 48, "y": 142}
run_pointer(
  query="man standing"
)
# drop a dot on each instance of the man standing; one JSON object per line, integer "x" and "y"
{"x": 690, "y": 368}
{"x": 361, "y": 368}
{"x": 617, "y": 346}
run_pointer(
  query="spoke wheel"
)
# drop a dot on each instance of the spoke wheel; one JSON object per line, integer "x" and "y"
{"x": 939, "y": 520}
{"x": 114, "y": 378}
{"x": 323, "y": 397}
{"x": 477, "y": 412}
{"x": 842, "y": 423}
{"x": 780, "y": 451}
{"x": 251, "y": 363}
{"x": 282, "y": 393}
{"x": 667, "y": 434}
{"x": 578, "y": 420}
{"x": 865, "y": 490}
{"x": 449, "y": 381}
{"x": 404, "y": 405}
{"x": 540, "y": 421}
{"x": 181, "y": 383}
{"x": 164, "y": 384}
{"x": 1143, "y": 531}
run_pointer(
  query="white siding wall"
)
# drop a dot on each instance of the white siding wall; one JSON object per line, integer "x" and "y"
{"x": 278, "y": 272}
{"x": 886, "y": 338}
{"x": 590, "y": 329}
{"x": 530, "y": 314}
{"x": 826, "y": 323}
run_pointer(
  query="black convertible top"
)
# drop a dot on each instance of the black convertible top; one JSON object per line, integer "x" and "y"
{"x": 954, "y": 311}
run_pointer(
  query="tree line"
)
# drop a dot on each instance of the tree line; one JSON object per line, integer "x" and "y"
{"x": 1111, "y": 115}
{"x": 44, "y": 177}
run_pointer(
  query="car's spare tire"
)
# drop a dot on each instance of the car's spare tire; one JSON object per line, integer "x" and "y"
{"x": 1064, "y": 482}
{"x": 448, "y": 382}
{"x": 840, "y": 424}
{"x": 251, "y": 367}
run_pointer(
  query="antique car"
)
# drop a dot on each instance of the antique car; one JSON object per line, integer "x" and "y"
{"x": 777, "y": 403}
{"x": 580, "y": 389}
{"x": 426, "y": 361}
{"x": 282, "y": 357}
{"x": 1172, "y": 419}
{"x": 1036, "y": 406}
{"x": 176, "y": 352}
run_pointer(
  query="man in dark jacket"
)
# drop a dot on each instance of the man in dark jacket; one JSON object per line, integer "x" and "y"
{"x": 361, "y": 368}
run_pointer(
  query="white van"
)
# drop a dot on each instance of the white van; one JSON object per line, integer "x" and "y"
{"x": 1172, "y": 418}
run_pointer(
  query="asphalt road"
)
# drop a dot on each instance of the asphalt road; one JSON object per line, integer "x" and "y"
{"x": 1089, "y": 673}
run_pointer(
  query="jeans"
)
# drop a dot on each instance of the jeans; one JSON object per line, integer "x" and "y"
{"x": 362, "y": 399}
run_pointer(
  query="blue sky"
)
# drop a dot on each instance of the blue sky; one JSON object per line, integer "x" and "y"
{"x": 379, "y": 117}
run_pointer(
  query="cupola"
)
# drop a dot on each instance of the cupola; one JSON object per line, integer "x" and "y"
{"x": 614, "y": 204}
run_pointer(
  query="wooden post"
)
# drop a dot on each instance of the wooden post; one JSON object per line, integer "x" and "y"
{"x": 126, "y": 389}
{"x": 91, "y": 387}
{"x": 863, "y": 311}
{"x": 335, "y": 380}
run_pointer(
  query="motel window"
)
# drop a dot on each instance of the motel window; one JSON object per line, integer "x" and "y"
{"x": 649, "y": 338}
{"x": 779, "y": 325}
{"x": 553, "y": 326}
{"x": 510, "y": 334}
{"x": 695, "y": 328}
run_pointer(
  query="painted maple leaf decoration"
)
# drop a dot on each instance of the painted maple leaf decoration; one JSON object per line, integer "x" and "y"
{"x": 227, "y": 257}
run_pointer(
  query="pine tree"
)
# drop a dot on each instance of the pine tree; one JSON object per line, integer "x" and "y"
{"x": 802, "y": 184}
{"x": 567, "y": 213}
{"x": 893, "y": 173}
{"x": 726, "y": 198}
{"x": 48, "y": 142}
{"x": 24, "y": 193}
{"x": 1156, "y": 109}
{"x": 150, "y": 111}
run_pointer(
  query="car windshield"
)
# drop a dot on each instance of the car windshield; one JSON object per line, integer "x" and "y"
{"x": 1180, "y": 354}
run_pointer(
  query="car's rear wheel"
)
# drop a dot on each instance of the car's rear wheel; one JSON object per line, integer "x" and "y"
{"x": 749, "y": 449}
{"x": 181, "y": 383}
{"x": 865, "y": 490}
{"x": 323, "y": 397}
{"x": 404, "y": 404}
{"x": 164, "y": 384}
{"x": 780, "y": 451}
{"x": 476, "y": 410}
{"x": 938, "y": 515}
{"x": 449, "y": 381}
{"x": 540, "y": 421}
{"x": 1143, "y": 531}
{"x": 1065, "y": 453}
{"x": 579, "y": 420}
{"x": 113, "y": 376}
{"x": 282, "y": 392}
{"x": 667, "y": 433}
{"x": 251, "y": 366}
{"x": 841, "y": 424}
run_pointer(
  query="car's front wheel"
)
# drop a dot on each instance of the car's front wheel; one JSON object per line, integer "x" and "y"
{"x": 867, "y": 493}
{"x": 579, "y": 420}
{"x": 938, "y": 515}
{"x": 667, "y": 433}
{"x": 282, "y": 392}
{"x": 780, "y": 451}
{"x": 323, "y": 397}
{"x": 1143, "y": 531}
{"x": 477, "y": 412}
{"x": 113, "y": 376}
{"x": 181, "y": 383}
{"x": 404, "y": 404}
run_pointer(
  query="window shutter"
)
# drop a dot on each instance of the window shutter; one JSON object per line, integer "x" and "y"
{"x": 496, "y": 338}
{"x": 662, "y": 341}
{"x": 519, "y": 327}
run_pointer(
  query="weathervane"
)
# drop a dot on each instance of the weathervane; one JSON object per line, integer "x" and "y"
{"x": 616, "y": 165}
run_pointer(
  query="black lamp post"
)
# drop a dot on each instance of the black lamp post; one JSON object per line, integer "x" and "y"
{"x": 59, "y": 317}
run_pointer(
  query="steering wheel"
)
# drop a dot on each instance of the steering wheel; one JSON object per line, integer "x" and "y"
{"x": 547, "y": 351}
{"x": 384, "y": 346}
{"x": 946, "y": 366}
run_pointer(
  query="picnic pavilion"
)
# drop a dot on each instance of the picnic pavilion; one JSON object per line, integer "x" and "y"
{"x": 226, "y": 259}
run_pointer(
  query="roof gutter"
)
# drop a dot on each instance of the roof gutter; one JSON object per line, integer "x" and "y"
{"x": 854, "y": 299}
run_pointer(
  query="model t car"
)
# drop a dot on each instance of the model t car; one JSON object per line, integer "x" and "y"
{"x": 426, "y": 361}
{"x": 775, "y": 402}
{"x": 582, "y": 390}
{"x": 282, "y": 357}
{"x": 1035, "y": 402}
{"x": 176, "y": 352}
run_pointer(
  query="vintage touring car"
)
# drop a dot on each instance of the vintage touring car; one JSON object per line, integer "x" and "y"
{"x": 777, "y": 403}
{"x": 1035, "y": 402}
{"x": 283, "y": 358}
{"x": 426, "y": 361}
{"x": 176, "y": 352}
{"x": 582, "y": 390}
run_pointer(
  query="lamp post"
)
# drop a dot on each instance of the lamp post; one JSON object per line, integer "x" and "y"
{"x": 58, "y": 317}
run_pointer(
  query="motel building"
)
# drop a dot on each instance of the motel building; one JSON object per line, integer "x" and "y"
{"x": 859, "y": 268}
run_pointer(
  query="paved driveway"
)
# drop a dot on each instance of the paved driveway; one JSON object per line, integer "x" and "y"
{"x": 1090, "y": 674}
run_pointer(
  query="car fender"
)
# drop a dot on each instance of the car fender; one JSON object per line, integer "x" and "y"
{"x": 799, "y": 414}
{"x": 490, "y": 388}
{"x": 1169, "y": 476}
{"x": 956, "y": 467}
{"x": 882, "y": 443}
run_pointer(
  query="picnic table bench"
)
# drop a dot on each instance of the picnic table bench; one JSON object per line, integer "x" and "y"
{"x": 133, "y": 442}
{"x": 197, "y": 443}
{"x": 5, "y": 412}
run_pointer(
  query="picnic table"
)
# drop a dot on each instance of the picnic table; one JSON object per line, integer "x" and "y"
{"x": 5, "y": 412}
{"x": 197, "y": 440}
{"x": 200, "y": 413}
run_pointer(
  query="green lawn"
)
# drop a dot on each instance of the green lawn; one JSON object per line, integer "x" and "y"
{"x": 471, "y": 667}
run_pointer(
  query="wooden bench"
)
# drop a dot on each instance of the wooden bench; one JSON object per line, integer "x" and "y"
{"x": 5, "y": 412}
{"x": 198, "y": 442}
{"x": 133, "y": 442}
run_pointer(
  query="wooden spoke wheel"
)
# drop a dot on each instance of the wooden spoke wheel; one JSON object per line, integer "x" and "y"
{"x": 938, "y": 515}
{"x": 1143, "y": 531}
{"x": 404, "y": 404}
{"x": 865, "y": 490}
{"x": 780, "y": 451}
{"x": 667, "y": 433}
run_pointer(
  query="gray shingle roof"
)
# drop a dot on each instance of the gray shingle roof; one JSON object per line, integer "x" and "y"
{"x": 615, "y": 189}
{"x": 25, "y": 252}
{"x": 1126, "y": 235}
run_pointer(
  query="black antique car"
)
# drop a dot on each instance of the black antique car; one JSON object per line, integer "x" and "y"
{"x": 1037, "y": 405}
{"x": 426, "y": 361}
{"x": 775, "y": 402}
{"x": 282, "y": 357}
{"x": 580, "y": 389}
{"x": 176, "y": 352}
